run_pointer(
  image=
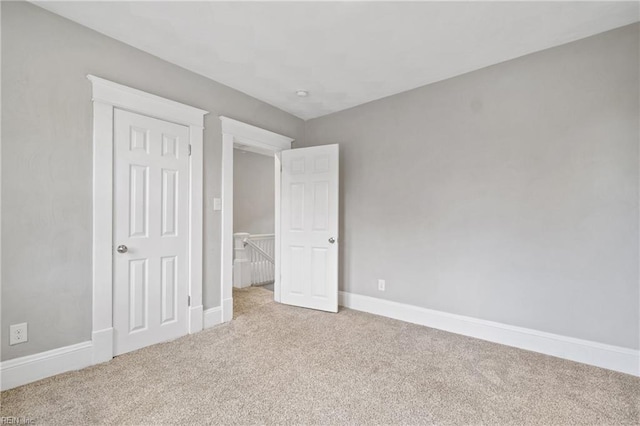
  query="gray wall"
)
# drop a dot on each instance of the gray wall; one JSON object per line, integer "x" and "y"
{"x": 46, "y": 165}
{"x": 253, "y": 193}
{"x": 508, "y": 194}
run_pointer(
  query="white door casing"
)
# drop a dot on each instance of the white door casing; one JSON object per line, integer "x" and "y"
{"x": 107, "y": 96}
{"x": 250, "y": 138}
{"x": 309, "y": 227}
{"x": 151, "y": 223}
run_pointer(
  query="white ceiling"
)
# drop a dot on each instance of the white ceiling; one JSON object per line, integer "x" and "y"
{"x": 343, "y": 53}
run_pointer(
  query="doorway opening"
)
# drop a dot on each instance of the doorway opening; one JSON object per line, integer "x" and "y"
{"x": 306, "y": 182}
{"x": 238, "y": 136}
{"x": 253, "y": 219}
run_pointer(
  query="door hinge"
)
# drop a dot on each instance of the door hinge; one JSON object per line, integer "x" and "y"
{"x": 189, "y": 149}
{"x": 188, "y": 300}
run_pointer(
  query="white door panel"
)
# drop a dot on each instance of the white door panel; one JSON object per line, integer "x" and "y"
{"x": 309, "y": 221}
{"x": 151, "y": 219}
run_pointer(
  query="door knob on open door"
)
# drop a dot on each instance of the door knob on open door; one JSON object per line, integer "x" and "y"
{"x": 332, "y": 240}
{"x": 122, "y": 249}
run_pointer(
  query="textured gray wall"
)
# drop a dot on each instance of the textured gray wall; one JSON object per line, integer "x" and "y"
{"x": 508, "y": 194}
{"x": 46, "y": 165}
{"x": 253, "y": 193}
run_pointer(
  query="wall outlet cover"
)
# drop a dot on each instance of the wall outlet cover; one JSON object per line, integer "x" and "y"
{"x": 18, "y": 333}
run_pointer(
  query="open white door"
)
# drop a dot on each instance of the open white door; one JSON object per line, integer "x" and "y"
{"x": 309, "y": 228}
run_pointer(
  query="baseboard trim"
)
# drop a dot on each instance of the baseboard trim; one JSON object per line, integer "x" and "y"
{"x": 615, "y": 358}
{"x": 27, "y": 369}
{"x": 213, "y": 317}
{"x": 21, "y": 371}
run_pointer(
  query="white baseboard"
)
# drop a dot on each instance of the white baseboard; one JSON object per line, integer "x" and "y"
{"x": 27, "y": 369}
{"x": 616, "y": 358}
{"x": 213, "y": 316}
{"x": 20, "y": 371}
{"x": 195, "y": 319}
{"x": 227, "y": 309}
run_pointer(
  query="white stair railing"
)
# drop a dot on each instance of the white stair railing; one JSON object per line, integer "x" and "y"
{"x": 261, "y": 256}
{"x": 254, "y": 259}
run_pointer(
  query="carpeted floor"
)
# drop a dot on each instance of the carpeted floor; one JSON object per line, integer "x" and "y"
{"x": 284, "y": 365}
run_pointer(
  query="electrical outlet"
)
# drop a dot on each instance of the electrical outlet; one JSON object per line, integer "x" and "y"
{"x": 18, "y": 333}
{"x": 381, "y": 285}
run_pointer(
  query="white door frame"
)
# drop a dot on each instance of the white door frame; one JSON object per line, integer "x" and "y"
{"x": 254, "y": 139}
{"x": 107, "y": 96}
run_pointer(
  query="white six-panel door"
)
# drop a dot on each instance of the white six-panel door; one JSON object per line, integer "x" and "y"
{"x": 309, "y": 228}
{"x": 150, "y": 232}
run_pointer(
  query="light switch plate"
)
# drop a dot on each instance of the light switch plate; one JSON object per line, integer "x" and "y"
{"x": 217, "y": 204}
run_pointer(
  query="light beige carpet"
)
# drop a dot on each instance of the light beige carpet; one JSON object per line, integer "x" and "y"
{"x": 280, "y": 364}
